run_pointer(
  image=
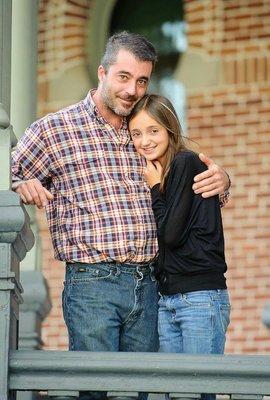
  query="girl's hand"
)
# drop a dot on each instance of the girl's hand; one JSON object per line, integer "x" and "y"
{"x": 153, "y": 172}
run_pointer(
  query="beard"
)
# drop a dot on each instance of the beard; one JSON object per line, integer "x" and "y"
{"x": 110, "y": 101}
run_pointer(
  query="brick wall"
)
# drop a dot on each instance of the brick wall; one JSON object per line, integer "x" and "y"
{"x": 54, "y": 334}
{"x": 231, "y": 123}
{"x": 230, "y": 120}
{"x": 61, "y": 42}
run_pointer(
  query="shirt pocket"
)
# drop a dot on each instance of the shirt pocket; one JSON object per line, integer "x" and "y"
{"x": 81, "y": 165}
{"x": 81, "y": 176}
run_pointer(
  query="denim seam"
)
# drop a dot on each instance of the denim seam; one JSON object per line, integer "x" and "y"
{"x": 221, "y": 319}
{"x": 71, "y": 344}
{"x": 135, "y": 307}
{"x": 212, "y": 329}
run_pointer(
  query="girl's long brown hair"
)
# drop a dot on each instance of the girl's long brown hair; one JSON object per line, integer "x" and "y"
{"x": 162, "y": 110}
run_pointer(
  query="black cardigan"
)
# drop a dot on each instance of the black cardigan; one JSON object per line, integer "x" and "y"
{"x": 190, "y": 233}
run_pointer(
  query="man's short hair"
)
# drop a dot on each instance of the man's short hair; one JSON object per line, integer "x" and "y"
{"x": 135, "y": 43}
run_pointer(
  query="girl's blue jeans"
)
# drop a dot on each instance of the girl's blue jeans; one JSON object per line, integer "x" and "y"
{"x": 194, "y": 323}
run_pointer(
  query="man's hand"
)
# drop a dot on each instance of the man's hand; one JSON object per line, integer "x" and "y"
{"x": 32, "y": 192}
{"x": 211, "y": 182}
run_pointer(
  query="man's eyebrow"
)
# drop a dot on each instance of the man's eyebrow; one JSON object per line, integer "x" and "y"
{"x": 145, "y": 78}
{"x": 129, "y": 74}
{"x": 124, "y": 72}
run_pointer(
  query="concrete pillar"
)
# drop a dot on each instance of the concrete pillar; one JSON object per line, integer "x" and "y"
{"x": 23, "y": 111}
{"x": 24, "y": 64}
{"x": 5, "y": 53}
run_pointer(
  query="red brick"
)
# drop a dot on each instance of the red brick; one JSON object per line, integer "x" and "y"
{"x": 230, "y": 120}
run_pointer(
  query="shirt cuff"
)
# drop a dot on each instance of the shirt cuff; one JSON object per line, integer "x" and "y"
{"x": 16, "y": 184}
{"x": 224, "y": 198}
{"x": 230, "y": 182}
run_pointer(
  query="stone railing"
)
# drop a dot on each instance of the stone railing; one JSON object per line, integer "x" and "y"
{"x": 64, "y": 374}
{"x": 16, "y": 239}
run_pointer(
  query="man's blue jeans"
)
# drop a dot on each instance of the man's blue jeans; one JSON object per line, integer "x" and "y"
{"x": 110, "y": 307}
{"x": 194, "y": 322}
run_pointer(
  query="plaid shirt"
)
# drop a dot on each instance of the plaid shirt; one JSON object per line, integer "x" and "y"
{"x": 101, "y": 209}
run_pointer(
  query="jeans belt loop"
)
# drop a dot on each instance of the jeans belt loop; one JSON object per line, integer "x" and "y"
{"x": 118, "y": 271}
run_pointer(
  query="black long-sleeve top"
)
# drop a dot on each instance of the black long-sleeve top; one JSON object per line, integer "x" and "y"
{"x": 190, "y": 233}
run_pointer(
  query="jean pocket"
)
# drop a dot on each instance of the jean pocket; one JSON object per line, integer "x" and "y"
{"x": 198, "y": 299}
{"x": 224, "y": 311}
{"x": 89, "y": 274}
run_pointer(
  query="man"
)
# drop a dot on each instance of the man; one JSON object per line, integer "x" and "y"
{"x": 80, "y": 163}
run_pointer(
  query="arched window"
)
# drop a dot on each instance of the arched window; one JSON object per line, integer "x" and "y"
{"x": 162, "y": 22}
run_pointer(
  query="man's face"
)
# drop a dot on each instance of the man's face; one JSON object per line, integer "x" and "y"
{"x": 124, "y": 83}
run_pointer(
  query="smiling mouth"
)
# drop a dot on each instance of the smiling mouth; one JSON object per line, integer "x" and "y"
{"x": 128, "y": 102}
{"x": 149, "y": 150}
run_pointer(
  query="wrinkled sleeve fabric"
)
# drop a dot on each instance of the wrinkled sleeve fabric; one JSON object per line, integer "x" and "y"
{"x": 30, "y": 159}
{"x": 172, "y": 209}
{"x": 224, "y": 198}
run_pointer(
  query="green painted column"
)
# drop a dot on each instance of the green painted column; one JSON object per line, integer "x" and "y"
{"x": 24, "y": 64}
{"x": 15, "y": 238}
{"x": 18, "y": 93}
{"x": 36, "y": 303}
{"x": 5, "y": 54}
{"x": 24, "y": 90}
{"x": 5, "y": 146}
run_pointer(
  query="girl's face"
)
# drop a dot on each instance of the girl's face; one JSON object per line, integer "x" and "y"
{"x": 150, "y": 138}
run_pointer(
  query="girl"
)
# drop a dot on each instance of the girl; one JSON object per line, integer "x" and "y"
{"x": 194, "y": 304}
